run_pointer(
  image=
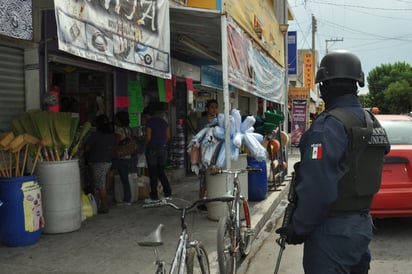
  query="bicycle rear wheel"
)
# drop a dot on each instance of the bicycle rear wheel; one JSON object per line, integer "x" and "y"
{"x": 245, "y": 232}
{"x": 225, "y": 249}
{"x": 197, "y": 261}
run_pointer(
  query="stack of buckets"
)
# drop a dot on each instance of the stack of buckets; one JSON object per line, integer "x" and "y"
{"x": 21, "y": 215}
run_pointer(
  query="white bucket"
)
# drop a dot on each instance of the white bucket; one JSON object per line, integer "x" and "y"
{"x": 61, "y": 190}
{"x": 216, "y": 187}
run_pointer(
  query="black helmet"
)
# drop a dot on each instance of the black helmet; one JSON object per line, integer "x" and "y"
{"x": 340, "y": 64}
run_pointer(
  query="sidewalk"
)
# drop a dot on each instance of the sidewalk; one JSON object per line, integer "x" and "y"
{"x": 107, "y": 243}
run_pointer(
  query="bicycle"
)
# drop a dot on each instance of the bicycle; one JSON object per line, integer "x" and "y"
{"x": 187, "y": 250}
{"x": 234, "y": 233}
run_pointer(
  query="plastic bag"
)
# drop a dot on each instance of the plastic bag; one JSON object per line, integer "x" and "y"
{"x": 141, "y": 160}
{"x": 93, "y": 203}
{"x": 87, "y": 209}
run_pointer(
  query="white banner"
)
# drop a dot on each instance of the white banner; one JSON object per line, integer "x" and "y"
{"x": 16, "y": 19}
{"x": 130, "y": 34}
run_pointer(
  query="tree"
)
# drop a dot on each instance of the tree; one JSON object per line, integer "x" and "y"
{"x": 379, "y": 80}
{"x": 398, "y": 96}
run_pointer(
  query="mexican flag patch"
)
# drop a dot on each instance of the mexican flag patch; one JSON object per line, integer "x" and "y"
{"x": 316, "y": 151}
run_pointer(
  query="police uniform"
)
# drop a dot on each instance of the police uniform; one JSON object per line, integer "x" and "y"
{"x": 338, "y": 231}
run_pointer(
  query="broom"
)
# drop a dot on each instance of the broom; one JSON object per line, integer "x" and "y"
{"x": 36, "y": 158}
{"x": 41, "y": 120}
{"x": 62, "y": 123}
{"x": 15, "y": 146}
{"x": 17, "y": 127}
{"x": 53, "y": 133}
{"x": 30, "y": 140}
{"x": 73, "y": 129}
{"x": 86, "y": 127}
{"x": 4, "y": 144}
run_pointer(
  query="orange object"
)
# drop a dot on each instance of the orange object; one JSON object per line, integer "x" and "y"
{"x": 274, "y": 145}
{"x": 375, "y": 110}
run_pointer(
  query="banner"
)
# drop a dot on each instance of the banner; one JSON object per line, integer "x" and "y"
{"x": 299, "y": 111}
{"x": 252, "y": 70}
{"x": 309, "y": 80}
{"x": 16, "y": 19}
{"x": 292, "y": 53}
{"x": 134, "y": 35}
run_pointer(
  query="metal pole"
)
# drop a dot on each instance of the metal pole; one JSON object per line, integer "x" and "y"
{"x": 226, "y": 102}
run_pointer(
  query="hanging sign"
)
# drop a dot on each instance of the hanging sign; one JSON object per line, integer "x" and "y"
{"x": 133, "y": 35}
{"x": 299, "y": 111}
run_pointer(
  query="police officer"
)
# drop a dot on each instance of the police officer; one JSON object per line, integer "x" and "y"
{"x": 340, "y": 171}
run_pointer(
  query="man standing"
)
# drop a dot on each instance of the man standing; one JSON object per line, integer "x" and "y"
{"x": 156, "y": 138}
{"x": 340, "y": 171}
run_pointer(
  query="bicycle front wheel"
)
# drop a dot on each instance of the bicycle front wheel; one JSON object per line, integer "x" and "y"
{"x": 197, "y": 261}
{"x": 225, "y": 246}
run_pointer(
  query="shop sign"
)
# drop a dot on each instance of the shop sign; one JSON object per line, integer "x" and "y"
{"x": 308, "y": 71}
{"x": 296, "y": 93}
{"x": 292, "y": 53}
{"x": 134, "y": 35}
{"x": 16, "y": 19}
{"x": 250, "y": 69}
{"x": 211, "y": 77}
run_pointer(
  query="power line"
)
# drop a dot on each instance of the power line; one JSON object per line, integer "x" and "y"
{"x": 332, "y": 40}
{"x": 361, "y": 7}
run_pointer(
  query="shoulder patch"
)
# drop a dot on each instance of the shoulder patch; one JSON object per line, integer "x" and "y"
{"x": 316, "y": 151}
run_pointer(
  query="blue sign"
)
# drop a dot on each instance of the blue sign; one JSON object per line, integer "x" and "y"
{"x": 292, "y": 53}
{"x": 211, "y": 77}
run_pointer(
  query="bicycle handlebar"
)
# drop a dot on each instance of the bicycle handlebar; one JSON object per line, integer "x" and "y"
{"x": 236, "y": 170}
{"x": 168, "y": 202}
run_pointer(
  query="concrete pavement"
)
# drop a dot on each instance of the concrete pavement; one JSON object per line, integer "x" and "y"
{"x": 107, "y": 243}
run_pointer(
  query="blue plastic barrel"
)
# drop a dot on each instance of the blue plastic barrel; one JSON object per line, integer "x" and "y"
{"x": 257, "y": 182}
{"x": 21, "y": 212}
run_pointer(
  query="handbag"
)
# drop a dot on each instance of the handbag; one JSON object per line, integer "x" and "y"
{"x": 126, "y": 147}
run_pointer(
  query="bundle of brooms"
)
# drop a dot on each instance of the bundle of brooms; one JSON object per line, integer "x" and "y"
{"x": 46, "y": 136}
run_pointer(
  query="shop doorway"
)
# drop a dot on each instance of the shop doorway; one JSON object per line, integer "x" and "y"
{"x": 81, "y": 90}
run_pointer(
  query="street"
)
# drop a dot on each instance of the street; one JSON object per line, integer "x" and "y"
{"x": 390, "y": 248}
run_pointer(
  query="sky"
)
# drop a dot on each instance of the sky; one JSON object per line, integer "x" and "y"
{"x": 377, "y": 31}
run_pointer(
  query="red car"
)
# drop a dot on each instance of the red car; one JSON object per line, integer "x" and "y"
{"x": 394, "y": 198}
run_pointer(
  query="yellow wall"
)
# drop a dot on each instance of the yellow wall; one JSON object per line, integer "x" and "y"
{"x": 244, "y": 12}
{"x": 204, "y": 4}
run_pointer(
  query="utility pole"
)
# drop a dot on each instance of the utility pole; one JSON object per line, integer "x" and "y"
{"x": 314, "y": 29}
{"x": 332, "y": 40}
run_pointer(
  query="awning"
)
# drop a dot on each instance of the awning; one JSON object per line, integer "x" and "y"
{"x": 196, "y": 38}
{"x": 195, "y": 35}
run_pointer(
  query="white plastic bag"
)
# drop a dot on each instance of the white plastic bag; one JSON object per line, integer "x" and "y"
{"x": 93, "y": 202}
{"x": 141, "y": 160}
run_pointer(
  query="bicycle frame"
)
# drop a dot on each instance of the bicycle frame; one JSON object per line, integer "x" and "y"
{"x": 184, "y": 244}
{"x": 233, "y": 237}
{"x": 234, "y": 209}
{"x": 180, "y": 254}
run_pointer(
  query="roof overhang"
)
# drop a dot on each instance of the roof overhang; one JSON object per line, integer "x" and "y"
{"x": 195, "y": 35}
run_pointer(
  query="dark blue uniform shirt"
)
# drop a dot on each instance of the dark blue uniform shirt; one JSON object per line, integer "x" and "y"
{"x": 322, "y": 148}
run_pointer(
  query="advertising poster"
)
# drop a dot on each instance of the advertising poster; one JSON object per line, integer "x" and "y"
{"x": 299, "y": 111}
{"x": 133, "y": 35}
{"x": 32, "y": 206}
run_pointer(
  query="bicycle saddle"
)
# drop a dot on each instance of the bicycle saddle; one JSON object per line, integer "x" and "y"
{"x": 154, "y": 238}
